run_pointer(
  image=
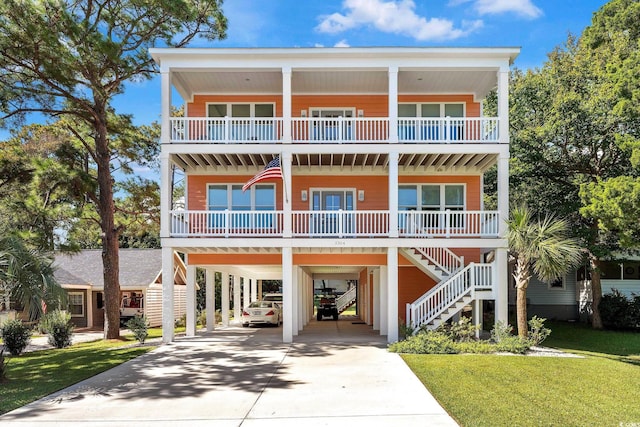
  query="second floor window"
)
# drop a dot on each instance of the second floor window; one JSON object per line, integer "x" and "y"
{"x": 431, "y": 197}
{"x": 261, "y": 197}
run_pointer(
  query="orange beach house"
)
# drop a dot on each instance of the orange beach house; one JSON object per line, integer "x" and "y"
{"x": 382, "y": 153}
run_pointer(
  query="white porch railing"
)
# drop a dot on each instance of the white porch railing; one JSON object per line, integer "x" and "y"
{"x": 344, "y": 300}
{"x": 341, "y": 223}
{"x": 232, "y": 130}
{"x": 448, "y": 223}
{"x": 226, "y": 130}
{"x": 448, "y": 129}
{"x": 340, "y": 129}
{"x": 226, "y": 223}
{"x": 429, "y": 306}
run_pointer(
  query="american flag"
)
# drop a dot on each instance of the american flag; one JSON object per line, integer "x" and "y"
{"x": 272, "y": 170}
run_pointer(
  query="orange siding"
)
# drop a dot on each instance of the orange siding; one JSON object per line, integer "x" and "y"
{"x": 411, "y": 284}
{"x": 372, "y": 105}
{"x": 198, "y": 108}
{"x": 235, "y": 259}
{"x": 472, "y": 109}
{"x": 197, "y": 187}
{"x": 375, "y": 189}
{"x": 340, "y": 259}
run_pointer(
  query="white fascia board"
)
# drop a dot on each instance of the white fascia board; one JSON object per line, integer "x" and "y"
{"x": 204, "y": 148}
{"x": 381, "y": 54}
{"x": 337, "y": 243}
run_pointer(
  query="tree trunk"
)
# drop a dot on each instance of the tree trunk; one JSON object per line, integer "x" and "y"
{"x": 596, "y": 292}
{"x": 110, "y": 254}
{"x": 522, "y": 276}
{"x": 521, "y": 310}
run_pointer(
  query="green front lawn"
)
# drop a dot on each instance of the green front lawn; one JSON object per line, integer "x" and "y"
{"x": 490, "y": 390}
{"x": 40, "y": 373}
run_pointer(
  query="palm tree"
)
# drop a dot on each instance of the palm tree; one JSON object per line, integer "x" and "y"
{"x": 28, "y": 276}
{"x": 541, "y": 247}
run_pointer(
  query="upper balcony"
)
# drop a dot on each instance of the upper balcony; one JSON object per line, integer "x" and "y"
{"x": 340, "y": 130}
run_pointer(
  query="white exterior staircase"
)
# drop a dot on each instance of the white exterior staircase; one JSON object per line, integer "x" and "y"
{"x": 458, "y": 286}
{"x": 346, "y": 300}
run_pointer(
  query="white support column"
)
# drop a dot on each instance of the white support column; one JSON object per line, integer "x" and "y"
{"x": 392, "y": 295}
{"x": 501, "y": 286}
{"x": 286, "y": 105}
{"x": 384, "y": 299}
{"x": 503, "y": 104}
{"x": 503, "y": 194}
{"x": 165, "y": 167}
{"x": 237, "y": 302}
{"x": 246, "y": 292}
{"x": 287, "y": 295}
{"x": 301, "y": 297}
{"x": 254, "y": 289}
{"x": 376, "y": 299}
{"x": 393, "y": 194}
{"x": 296, "y": 298}
{"x": 225, "y": 298}
{"x": 191, "y": 300}
{"x": 393, "y": 104}
{"x": 285, "y": 163}
{"x": 210, "y": 302}
{"x": 167, "y": 295}
{"x": 477, "y": 315}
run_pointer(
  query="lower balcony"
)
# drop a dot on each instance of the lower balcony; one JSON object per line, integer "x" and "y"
{"x": 340, "y": 223}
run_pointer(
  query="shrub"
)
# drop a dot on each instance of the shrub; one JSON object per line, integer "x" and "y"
{"x": 537, "y": 331}
{"x": 501, "y": 331}
{"x": 425, "y": 342}
{"x": 16, "y": 336}
{"x": 461, "y": 331}
{"x": 614, "y": 310}
{"x": 181, "y": 322}
{"x": 57, "y": 325}
{"x": 140, "y": 328}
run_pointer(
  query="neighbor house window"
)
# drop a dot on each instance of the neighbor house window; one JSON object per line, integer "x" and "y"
{"x": 76, "y": 304}
{"x": 556, "y": 284}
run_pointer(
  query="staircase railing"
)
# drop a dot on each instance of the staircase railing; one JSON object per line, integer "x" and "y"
{"x": 443, "y": 258}
{"x": 448, "y": 292}
{"x": 346, "y": 299}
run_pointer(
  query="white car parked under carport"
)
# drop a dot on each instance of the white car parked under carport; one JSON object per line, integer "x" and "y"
{"x": 262, "y": 313}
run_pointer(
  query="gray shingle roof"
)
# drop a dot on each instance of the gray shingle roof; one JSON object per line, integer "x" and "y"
{"x": 138, "y": 267}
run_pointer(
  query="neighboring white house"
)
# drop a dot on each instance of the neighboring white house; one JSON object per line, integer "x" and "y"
{"x": 569, "y": 297}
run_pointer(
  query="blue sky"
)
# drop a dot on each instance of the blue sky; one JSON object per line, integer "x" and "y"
{"x": 536, "y": 26}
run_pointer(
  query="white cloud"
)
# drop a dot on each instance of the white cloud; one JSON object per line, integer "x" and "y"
{"x": 396, "y": 17}
{"x": 524, "y": 8}
{"x": 341, "y": 43}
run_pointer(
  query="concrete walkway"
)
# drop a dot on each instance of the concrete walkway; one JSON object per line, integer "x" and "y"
{"x": 334, "y": 373}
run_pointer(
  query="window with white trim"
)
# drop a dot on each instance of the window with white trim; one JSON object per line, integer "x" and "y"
{"x": 556, "y": 284}
{"x": 432, "y": 109}
{"x": 241, "y": 110}
{"x": 433, "y": 197}
{"x": 259, "y": 197}
{"x": 76, "y": 304}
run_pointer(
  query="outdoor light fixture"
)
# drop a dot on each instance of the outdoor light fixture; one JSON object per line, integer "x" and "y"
{"x": 361, "y": 195}
{"x": 303, "y": 195}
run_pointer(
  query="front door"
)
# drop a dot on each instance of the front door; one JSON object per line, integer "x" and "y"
{"x": 334, "y": 217}
{"x": 324, "y": 128}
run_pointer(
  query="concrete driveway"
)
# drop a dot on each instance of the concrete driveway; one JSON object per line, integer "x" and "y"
{"x": 334, "y": 373}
